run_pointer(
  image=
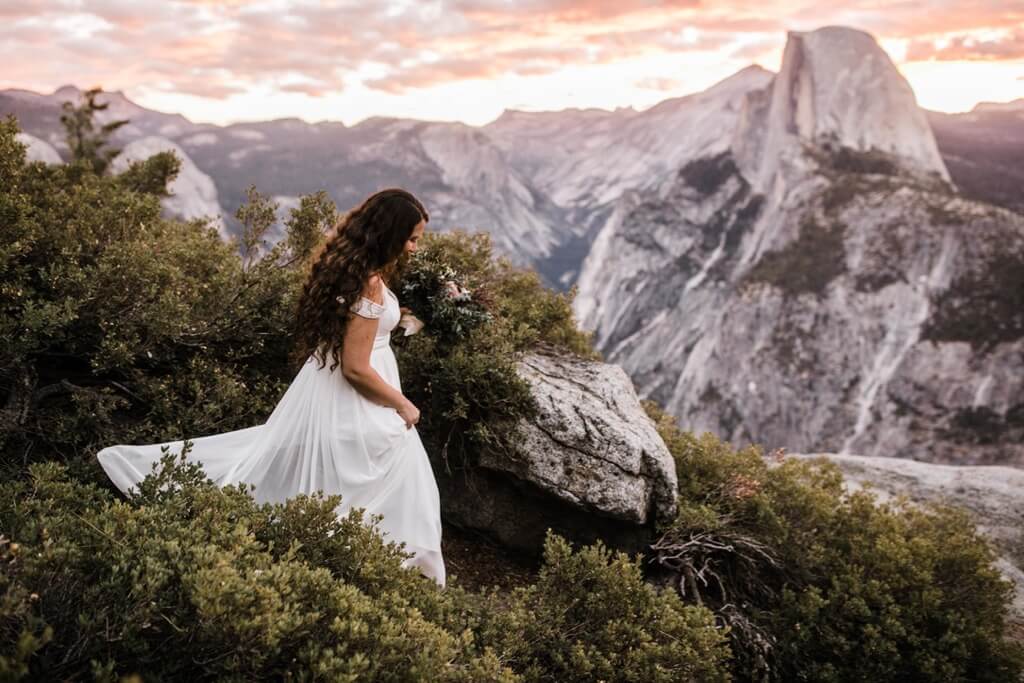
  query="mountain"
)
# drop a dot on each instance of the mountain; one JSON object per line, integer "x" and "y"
{"x": 543, "y": 184}
{"x": 460, "y": 174}
{"x": 984, "y": 151}
{"x": 804, "y": 259}
{"x": 820, "y": 284}
{"x": 586, "y": 159}
{"x": 1016, "y": 105}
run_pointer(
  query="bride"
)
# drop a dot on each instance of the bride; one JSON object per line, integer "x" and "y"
{"x": 343, "y": 426}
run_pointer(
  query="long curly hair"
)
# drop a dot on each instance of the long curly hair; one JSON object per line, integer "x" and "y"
{"x": 367, "y": 240}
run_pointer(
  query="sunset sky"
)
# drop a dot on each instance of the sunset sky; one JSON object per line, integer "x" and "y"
{"x": 468, "y": 60}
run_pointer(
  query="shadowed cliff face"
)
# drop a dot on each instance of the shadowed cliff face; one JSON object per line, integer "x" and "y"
{"x": 821, "y": 285}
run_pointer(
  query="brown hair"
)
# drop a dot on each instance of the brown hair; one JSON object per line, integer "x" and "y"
{"x": 367, "y": 240}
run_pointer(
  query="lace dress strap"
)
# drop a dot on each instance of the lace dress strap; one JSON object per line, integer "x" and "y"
{"x": 368, "y": 308}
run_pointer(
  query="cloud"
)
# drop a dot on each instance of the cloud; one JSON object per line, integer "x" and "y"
{"x": 1010, "y": 46}
{"x": 565, "y": 10}
{"x": 214, "y": 49}
{"x": 658, "y": 84}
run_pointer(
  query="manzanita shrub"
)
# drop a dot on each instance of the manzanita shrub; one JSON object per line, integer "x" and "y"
{"x": 819, "y": 584}
{"x": 190, "y": 581}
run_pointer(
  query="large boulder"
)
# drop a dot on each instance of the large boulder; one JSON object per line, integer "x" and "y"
{"x": 994, "y": 496}
{"x": 590, "y": 465}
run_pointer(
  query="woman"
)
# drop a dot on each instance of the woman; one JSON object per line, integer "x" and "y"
{"x": 343, "y": 426}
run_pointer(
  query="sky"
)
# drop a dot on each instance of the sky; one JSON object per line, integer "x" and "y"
{"x": 468, "y": 60}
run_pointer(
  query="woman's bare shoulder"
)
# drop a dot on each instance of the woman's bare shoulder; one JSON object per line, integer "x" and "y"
{"x": 374, "y": 288}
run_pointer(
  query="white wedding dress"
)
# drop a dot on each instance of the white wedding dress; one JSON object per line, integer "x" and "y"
{"x": 324, "y": 435}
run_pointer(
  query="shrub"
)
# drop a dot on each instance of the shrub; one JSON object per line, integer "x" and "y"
{"x": 97, "y": 587}
{"x": 985, "y": 307}
{"x": 807, "y": 264}
{"x": 818, "y": 584}
{"x": 591, "y": 617}
{"x": 246, "y": 590}
{"x": 120, "y": 326}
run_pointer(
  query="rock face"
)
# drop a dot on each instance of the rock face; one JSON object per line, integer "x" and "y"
{"x": 591, "y": 465}
{"x": 523, "y": 222}
{"x": 819, "y": 284}
{"x": 994, "y": 496}
{"x": 836, "y": 86}
{"x": 585, "y": 160}
{"x": 193, "y": 194}
{"x": 38, "y": 150}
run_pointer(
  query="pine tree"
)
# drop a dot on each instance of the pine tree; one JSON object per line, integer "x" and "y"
{"x": 87, "y": 144}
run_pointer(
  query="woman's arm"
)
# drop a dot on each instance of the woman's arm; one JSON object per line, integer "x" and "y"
{"x": 355, "y": 361}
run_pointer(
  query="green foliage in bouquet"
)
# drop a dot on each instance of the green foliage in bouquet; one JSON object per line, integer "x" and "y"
{"x": 818, "y": 584}
{"x": 190, "y": 581}
{"x": 431, "y": 289}
{"x": 465, "y": 383}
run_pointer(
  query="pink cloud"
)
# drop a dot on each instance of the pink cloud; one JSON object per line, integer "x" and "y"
{"x": 968, "y": 48}
{"x": 566, "y": 10}
{"x": 658, "y": 84}
{"x": 213, "y": 48}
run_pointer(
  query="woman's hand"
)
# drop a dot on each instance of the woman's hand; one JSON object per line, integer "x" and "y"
{"x": 409, "y": 413}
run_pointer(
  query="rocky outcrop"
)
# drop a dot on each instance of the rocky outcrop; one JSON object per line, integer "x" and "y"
{"x": 192, "y": 192}
{"x": 819, "y": 284}
{"x": 994, "y": 496}
{"x": 38, "y": 150}
{"x": 590, "y": 465}
{"x": 836, "y": 86}
{"x": 586, "y": 160}
{"x": 523, "y": 223}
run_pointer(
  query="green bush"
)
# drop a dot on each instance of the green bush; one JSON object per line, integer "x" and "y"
{"x": 120, "y": 326}
{"x": 191, "y": 580}
{"x": 818, "y": 584}
{"x": 197, "y": 581}
{"x": 591, "y": 617}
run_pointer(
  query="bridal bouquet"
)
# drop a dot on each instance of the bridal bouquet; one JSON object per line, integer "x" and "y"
{"x": 438, "y": 300}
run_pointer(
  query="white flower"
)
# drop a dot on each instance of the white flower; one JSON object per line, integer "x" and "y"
{"x": 410, "y": 323}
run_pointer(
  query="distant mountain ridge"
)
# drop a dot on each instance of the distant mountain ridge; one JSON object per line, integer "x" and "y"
{"x": 541, "y": 183}
{"x": 804, "y": 259}
{"x": 460, "y": 174}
